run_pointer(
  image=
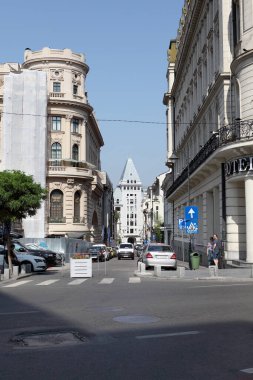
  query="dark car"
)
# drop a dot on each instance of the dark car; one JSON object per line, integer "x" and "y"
{"x": 97, "y": 253}
{"x": 50, "y": 257}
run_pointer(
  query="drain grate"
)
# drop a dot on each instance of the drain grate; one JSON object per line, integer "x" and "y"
{"x": 48, "y": 339}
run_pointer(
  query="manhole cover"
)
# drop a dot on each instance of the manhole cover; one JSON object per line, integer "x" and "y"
{"x": 136, "y": 319}
{"x": 46, "y": 339}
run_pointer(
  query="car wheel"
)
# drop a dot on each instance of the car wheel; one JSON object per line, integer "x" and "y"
{"x": 28, "y": 262}
{"x": 133, "y": 258}
{"x": 119, "y": 258}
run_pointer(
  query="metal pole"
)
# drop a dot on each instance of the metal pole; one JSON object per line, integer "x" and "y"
{"x": 183, "y": 243}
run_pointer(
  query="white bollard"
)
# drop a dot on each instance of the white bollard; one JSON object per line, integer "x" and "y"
{"x": 181, "y": 272}
{"x": 143, "y": 268}
{"x": 6, "y": 273}
{"x": 157, "y": 270}
{"x": 15, "y": 271}
{"x": 213, "y": 270}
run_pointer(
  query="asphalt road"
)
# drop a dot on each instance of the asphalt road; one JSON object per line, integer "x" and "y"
{"x": 117, "y": 326}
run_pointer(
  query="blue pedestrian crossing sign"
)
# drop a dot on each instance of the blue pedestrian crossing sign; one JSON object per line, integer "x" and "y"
{"x": 191, "y": 219}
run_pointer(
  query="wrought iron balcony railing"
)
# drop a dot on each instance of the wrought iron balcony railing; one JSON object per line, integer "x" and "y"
{"x": 236, "y": 131}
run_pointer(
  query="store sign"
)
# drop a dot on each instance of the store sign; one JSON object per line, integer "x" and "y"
{"x": 239, "y": 165}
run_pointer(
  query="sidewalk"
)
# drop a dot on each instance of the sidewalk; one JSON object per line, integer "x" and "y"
{"x": 203, "y": 273}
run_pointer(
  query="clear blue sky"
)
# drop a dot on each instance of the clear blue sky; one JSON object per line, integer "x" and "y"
{"x": 125, "y": 44}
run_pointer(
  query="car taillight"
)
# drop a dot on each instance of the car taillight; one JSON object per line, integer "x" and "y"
{"x": 173, "y": 256}
{"x": 149, "y": 256}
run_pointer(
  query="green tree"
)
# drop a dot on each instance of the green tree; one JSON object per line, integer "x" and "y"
{"x": 20, "y": 197}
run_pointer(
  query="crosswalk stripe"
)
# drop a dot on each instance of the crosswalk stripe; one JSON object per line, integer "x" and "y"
{"x": 15, "y": 284}
{"x": 134, "y": 280}
{"x": 78, "y": 281}
{"x": 107, "y": 281}
{"x": 48, "y": 282}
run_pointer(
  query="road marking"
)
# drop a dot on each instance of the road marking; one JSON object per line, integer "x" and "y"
{"x": 247, "y": 370}
{"x": 106, "y": 281}
{"x": 223, "y": 285}
{"x": 78, "y": 281}
{"x": 134, "y": 280}
{"x": 48, "y": 282}
{"x": 20, "y": 312}
{"x": 154, "y": 336}
{"x": 17, "y": 284}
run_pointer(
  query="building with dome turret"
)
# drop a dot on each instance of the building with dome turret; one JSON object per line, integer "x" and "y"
{"x": 48, "y": 129}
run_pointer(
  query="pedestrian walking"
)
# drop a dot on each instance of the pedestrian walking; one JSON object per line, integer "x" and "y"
{"x": 216, "y": 249}
{"x": 209, "y": 252}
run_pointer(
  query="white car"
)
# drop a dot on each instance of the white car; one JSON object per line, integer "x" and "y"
{"x": 38, "y": 264}
{"x": 159, "y": 254}
{"x": 126, "y": 251}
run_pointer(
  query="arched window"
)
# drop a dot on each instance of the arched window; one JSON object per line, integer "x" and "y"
{"x": 75, "y": 152}
{"x": 77, "y": 199}
{"x": 56, "y": 151}
{"x": 56, "y": 206}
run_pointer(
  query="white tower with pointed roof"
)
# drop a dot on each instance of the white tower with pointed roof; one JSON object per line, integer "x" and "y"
{"x": 128, "y": 197}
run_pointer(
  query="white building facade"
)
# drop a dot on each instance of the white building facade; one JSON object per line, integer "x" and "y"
{"x": 48, "y": 129}
{"x": 210, "y": 124}
{"x": 128, "y": 197}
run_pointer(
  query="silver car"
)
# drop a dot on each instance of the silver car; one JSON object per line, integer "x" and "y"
{"x": 159, "y": 254}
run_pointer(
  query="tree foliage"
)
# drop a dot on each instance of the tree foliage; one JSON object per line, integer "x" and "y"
{"x": 20, "y": 196}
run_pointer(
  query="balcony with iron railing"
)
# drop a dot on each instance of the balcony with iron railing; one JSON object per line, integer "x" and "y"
{"x": 240, "y": 130}
{"x": 69, "y": 167}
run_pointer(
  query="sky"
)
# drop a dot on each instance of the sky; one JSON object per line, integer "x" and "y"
{"x": 125, "y": 44}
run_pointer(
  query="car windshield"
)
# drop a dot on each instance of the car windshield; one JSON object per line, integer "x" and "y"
{"x": 159, "y": 248}
{"x": 125, "y": 245}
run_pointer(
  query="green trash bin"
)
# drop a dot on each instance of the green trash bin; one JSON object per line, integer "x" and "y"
{"x": 195, "y": 260}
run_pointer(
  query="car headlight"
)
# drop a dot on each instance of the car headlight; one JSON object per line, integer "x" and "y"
{"x": 38, "y": 260}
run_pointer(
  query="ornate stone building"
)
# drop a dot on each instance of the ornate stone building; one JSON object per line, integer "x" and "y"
{"x": 209, "y": 124}
{"x": 44, "y": 102}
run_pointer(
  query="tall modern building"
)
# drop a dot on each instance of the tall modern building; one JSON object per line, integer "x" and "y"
{"x": 48, "y": 129}
{"x": 128, "y": 213}
{"x": 210, "y": 125}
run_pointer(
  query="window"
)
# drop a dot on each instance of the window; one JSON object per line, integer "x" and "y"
{"x": 77, "y": 198}
{"x": 56, "y": 151}
{"x": 236, "y": 21}
{"x": 56, "y": 123}
{"x": 75, "y": 125}
{"x": 75, "y": 152}
{"x": 75, "y": 89}
{"x": 56, "y": 87}
{"x": 56, "y": 206}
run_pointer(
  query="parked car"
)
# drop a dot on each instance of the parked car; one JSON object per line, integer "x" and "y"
{"x": 159, "y": 254}
{"x": 97, "y": 253}
{"x": 103, "y": 247}
{"x": 126, "y": 251}
{"x": 38, "y": 264}
{"x": 49, "y": 256}
{"x": 59, "y": 257}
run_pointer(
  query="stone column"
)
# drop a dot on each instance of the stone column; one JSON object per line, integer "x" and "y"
{"x": 249, "y": 218}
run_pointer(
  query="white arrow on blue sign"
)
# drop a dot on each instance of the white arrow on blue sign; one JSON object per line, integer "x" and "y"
{"x": 191, "y": 213}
